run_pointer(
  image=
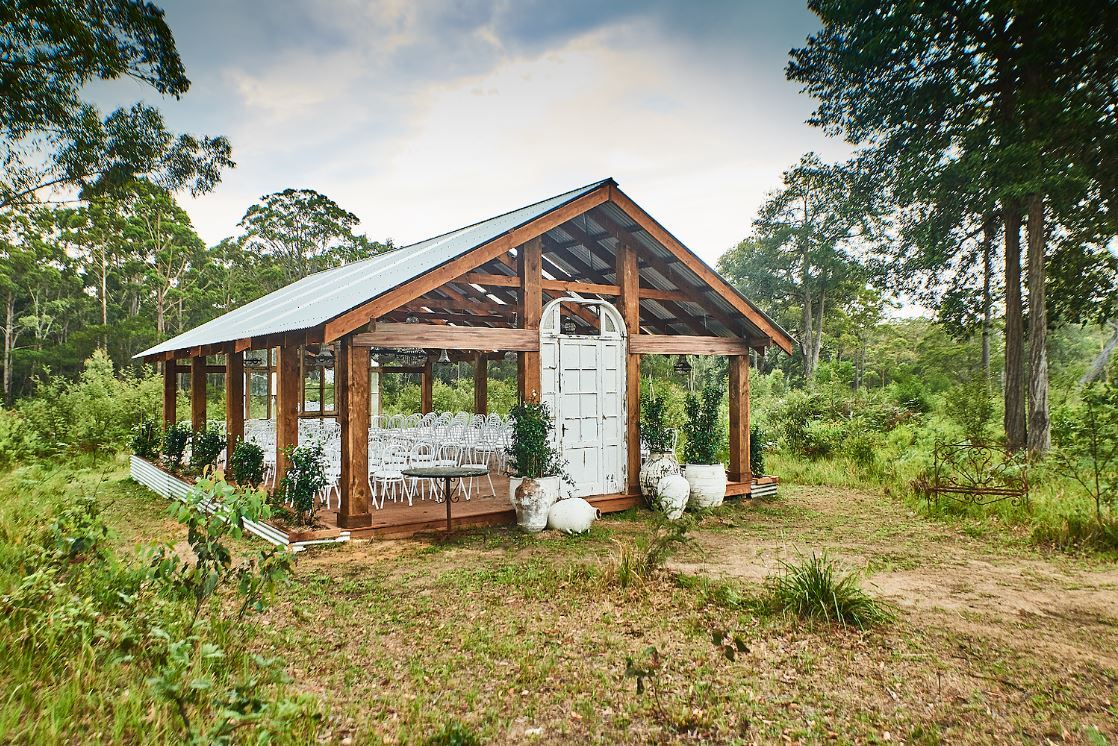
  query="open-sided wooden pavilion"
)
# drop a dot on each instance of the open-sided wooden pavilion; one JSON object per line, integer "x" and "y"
{"x": 578, "y": 286}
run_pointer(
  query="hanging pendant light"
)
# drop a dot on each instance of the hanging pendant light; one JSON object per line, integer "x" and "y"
{"x": 254, "y": 361}
{"x": 567, "y": 326}
{"x": 683, "y": 366}
{"x": 444, "y": 358}
{"x": 324, "y": 359}
{"x": 411, "y": 318}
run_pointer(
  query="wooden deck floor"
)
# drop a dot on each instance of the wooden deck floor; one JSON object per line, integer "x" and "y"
{"x": 399, "y": 519}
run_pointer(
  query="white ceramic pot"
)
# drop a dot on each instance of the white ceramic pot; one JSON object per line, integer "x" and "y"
{"x": 572, "y": 515}
{"x": 658, "y": 466}
{"x": 708, "y": 484}
{"x": 671, "y": 495}
{"x": 533, "y": 499}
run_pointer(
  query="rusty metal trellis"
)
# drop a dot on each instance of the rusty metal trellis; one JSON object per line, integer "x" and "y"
{"x": 978, "y": 474}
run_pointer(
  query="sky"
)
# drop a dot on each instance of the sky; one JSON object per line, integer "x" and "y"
{"x": 420, "y": 117}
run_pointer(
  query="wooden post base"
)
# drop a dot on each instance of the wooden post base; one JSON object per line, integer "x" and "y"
{"x": 360, "y": 520}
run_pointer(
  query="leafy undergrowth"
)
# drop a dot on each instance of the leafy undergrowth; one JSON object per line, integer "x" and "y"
{"x": 494, "y": 636}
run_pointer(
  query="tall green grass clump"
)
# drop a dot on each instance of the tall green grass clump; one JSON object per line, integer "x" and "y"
{"x": 816, "y": 589}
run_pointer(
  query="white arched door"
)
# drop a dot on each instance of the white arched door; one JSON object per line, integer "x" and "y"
{"x": 583, "y": 382}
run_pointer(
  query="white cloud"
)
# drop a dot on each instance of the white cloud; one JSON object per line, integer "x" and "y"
{"x": 696, "y": 136}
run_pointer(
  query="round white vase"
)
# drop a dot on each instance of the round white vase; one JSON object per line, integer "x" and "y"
{"x": 671, "y": 495}
{"x": 708, "y": 484}
{"x": 532, "y": 499}
{"x": 656, "y": 467}
{"x": 572, "y": 515}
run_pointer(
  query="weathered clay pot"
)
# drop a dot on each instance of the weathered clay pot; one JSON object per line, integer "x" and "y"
{"x": 671, "y": 495}
{"x": 532, "y": 499}
{"x": 708, "y": 484}
{"x": 572, "y": 516}
{"x": 658, "y": 466}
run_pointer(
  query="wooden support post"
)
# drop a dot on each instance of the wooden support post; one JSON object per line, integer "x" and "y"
{"x": 288, "y": 390}
{"x": 530, "y": 265}
{"x": 481, "y": 384}
{"x": 197, "y": 392}
{"x": 739, "y": 419}
{"x": 351, "y": 400}
{"x": 628, "y": 278}
{"x": 234, "y": 399}
{"x": 170, "y": 392}
{"x": 427, "y": 387}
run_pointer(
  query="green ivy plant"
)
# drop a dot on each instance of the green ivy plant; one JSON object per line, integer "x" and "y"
{"x": 655, "y": 432}
{"x": 246, "y": 465}
{"x": 304, "y": 479}
{"x": 147, "y": 440}
{"x": 174, "y": 445}
{"x": 531, "y": 454}
{"x": 205, "y": 447}
{"x": 702, "y": 428}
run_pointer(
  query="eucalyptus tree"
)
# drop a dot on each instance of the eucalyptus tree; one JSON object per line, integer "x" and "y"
{"x": 50, "y": 136}
{"x": 304, "y": 231}
{"x": 802, "y": 250}
{"x": 1017, "y": 94}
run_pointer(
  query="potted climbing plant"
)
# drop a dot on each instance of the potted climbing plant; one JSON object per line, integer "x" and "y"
{"x": 657, "y": 437}
{"x": 702, "y": 469}
{"x": 535, "y": 464}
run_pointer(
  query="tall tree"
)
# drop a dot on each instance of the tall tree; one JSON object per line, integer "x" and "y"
{"x": 801, "y": 249}
{"x": 1020, "y": 93}
{"x": 304, "y": 231}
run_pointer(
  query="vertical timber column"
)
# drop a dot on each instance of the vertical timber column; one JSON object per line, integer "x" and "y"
{"x": 234, "y": 399}
{"x": 740, "y": 470}
{"x": 198, "y": 392}
{"x": 481, "y": 384}
{"x": 530, "y": 262}
{"x": 628, "y": 279}
{"x": 351, "y": 399}
{"x": 170, "y": 392}
{"x": 288, "y": 389}
{"x": 427, "y": 386}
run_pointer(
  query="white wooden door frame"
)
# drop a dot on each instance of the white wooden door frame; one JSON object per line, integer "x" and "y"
{"x": 611, "y": 450}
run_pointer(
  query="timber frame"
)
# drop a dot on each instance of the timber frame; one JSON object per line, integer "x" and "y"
{"x": 488, "y": 300}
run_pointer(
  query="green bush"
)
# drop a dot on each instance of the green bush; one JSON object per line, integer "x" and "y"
{"x": 757, "y": 446}
{"x": 94, "y": 414}
{"x": 815, "y": 589}
{"x": 304, "y": 479}
{"x": 531, "y": 453}
{"x": 655, "y": 432}
{"x": 972, "y": 407}
{"x": 147, "y": 440}
{"x": 246, "y": 465}
{"x": 861, "y": 445}
{"x": 702, "y": 429}
{"x": 911, "y": 394}
{"x": 205, "y": 447}
{"x": 175, "y": 439}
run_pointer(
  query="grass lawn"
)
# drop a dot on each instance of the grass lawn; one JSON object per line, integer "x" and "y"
{"x": 508, "y": 638}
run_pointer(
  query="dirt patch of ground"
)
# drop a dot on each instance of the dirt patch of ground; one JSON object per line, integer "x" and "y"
{"x": 940, "y": 576}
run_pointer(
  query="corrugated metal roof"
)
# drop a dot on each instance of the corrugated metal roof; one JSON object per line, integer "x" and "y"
{"x": 317, "y": 298}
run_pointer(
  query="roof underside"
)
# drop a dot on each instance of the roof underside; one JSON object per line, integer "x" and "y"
{"x": 582, "y": 249}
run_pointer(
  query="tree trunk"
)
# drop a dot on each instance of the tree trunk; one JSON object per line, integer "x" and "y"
{"x": 1098, "y": 365}
{"x": 1040, "y": 435}
{"x": 989, "y": 233}
{"x": 817, "y": 343}
{"x": 9, "y": 344}
{"x": 807, "y": 344}
{"x": 1015, "y": 430}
